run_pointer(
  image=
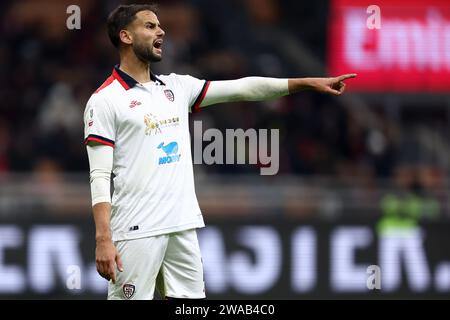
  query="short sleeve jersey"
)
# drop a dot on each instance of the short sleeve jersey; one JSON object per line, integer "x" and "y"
{"x": 147, "y": 125}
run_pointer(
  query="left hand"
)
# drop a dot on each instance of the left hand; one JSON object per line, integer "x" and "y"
{"x": 334, "y": 86}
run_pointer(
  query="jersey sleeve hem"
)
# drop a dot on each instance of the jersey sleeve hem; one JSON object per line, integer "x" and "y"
{"x": 99, "y": 139}
{"x": 201, "y": 96}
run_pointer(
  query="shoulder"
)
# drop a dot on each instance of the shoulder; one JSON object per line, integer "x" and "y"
{"x": 174, "y": 78}
{"x": 109, "y": 89}
{"x": 169, "y": 79}
{"x": 101, "y": 100}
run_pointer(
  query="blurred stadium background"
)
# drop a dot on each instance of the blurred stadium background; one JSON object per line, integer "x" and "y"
{"x": 363, "y": 180}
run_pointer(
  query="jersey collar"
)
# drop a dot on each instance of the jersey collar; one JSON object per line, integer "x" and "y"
{"x": 127, "y": 81}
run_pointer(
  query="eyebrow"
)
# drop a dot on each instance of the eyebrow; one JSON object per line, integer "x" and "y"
{"x": 152, "y": 23}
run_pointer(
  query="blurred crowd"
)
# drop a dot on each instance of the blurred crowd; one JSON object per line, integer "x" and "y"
{"x": 48, "y": 73}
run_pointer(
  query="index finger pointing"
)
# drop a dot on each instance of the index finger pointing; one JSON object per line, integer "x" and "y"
{"x": 347, "y": 76}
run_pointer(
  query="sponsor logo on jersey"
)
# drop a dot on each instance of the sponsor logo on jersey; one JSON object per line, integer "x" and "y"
{"x": 169, "y": 95}
{"x": 128, "y": 290}
{"x": 171, "y": 151}
{"x": 154, "y": 126}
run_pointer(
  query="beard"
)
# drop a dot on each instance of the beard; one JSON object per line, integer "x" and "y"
{"x": 145, "y": 53}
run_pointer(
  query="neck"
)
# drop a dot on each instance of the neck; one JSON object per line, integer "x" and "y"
{"x": 135, "y": 68}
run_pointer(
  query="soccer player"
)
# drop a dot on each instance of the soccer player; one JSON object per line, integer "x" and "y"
{"x": 136, "y": 127}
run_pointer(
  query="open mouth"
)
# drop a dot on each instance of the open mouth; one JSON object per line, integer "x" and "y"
{"x": 158, "y": 44}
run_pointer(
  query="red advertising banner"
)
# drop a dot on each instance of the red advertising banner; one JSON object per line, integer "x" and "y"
{"x": 406, "y": 48}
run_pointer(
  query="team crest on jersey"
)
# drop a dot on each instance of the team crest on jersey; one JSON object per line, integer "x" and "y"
{"x": 169, "y": 95}
{"x": 128, "y": 290}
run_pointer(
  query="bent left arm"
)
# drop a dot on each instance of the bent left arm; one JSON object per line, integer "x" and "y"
{"x": 262, "y": 89}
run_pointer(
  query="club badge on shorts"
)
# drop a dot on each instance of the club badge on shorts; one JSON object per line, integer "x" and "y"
{"x": 169, "y": 95}
{"x": 128, "y": 290}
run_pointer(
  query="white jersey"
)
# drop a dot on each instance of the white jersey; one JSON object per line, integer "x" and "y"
{"x": 147, "y": 125}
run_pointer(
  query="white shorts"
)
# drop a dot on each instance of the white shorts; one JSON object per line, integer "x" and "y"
{"x": 172, "y": 263}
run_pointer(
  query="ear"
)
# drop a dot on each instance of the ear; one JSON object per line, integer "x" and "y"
{"x": 126, "y": 36}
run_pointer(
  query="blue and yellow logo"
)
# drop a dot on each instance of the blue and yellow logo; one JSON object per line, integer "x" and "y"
{"x": 171, "y": 151}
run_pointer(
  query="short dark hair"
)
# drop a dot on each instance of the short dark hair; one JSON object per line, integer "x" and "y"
{"x": 122, "y": 16}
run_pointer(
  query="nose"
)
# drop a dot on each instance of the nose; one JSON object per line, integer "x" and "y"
{"x": 161, "y": 32}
